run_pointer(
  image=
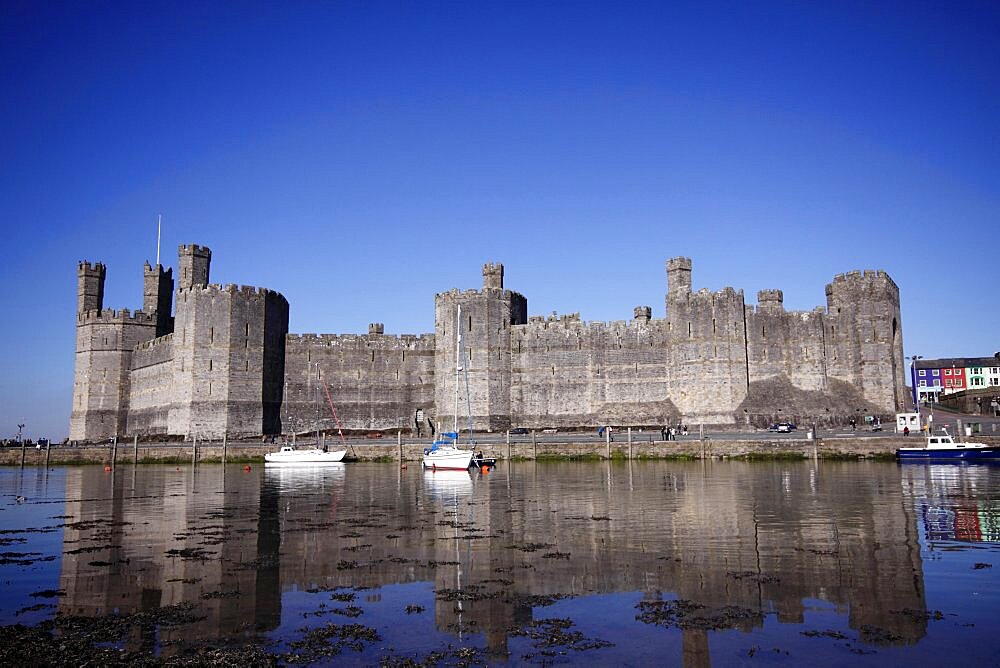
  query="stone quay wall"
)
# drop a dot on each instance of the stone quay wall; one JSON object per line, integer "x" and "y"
{"x": 692, "y": 448}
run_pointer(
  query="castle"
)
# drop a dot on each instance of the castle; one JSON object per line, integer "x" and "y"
{"x": 224, "y": 363}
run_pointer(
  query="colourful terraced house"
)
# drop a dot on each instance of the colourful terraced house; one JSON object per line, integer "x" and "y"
{"x": 932, "y": 378}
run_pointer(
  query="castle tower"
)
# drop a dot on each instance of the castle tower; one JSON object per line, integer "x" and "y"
{"x": 90, "y": 287}
{"x": 192, "y": 265}
{"x": 864, "y": 336}
{"x": 706, "y": 347}
{"x": 105, "y": 340}
{"x": 229, "y": 360}
{"x": 157, "y": 295}
{"x": 487, "y": 318}
{"x": 772, "y": 301}
{"x": 492, "y": 276}
{"x": 678, "y": 279}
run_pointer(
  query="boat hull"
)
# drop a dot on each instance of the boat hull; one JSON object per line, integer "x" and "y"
{"x": 948, "y": 454}
{"x": 304, "y": 458}
{"x": 456, "y": 460}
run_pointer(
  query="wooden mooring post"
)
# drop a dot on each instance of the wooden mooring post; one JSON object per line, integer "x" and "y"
{"x": 48, "y": 444}
{"x": 607, "y": 440}
{"x": 399, "y": 444}
{"x": 508, "y": 445}
{"x": 534, "y": 445}
{"x": 225, "y": 447}
{"x": 22, "y": 454}
{"x": 194, "y": 451}
{"x": 114, "y": 452}
{"x": 135, "y": 449}
{"x": 630, "y": 442}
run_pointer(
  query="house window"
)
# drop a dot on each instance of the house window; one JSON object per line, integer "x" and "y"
{"x": 921, "y": 373}
{"x": 947, "y": 383}
{"x": 947, "y": 372}
{"x": 923, "y": 383}
{"x": 935, "y": 372}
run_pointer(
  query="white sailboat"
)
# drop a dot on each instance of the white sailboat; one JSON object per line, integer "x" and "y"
{"x": 289, "y": 456}
{"x": 444, "y": 452}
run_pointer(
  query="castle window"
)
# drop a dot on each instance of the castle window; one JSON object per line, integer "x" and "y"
{"x": 763, "y": 331}
{"x": 210, "y": 388}
{"x": 247, "y": 365}
{"x": 209, "y": 365}
{"x": 211, "y": 334}
{"x": 248, "y": 329}
{"x": 246, "y": 343}
{"x": 689, "y": 330}
{"x": 470, "y": 323}
{"x": 470, "y": 354}
{"x": 713, "y": 325}
{"x": 373, "y": 356}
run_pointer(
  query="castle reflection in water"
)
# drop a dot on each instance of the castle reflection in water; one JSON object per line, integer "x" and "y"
{"x": 765, "y": 537}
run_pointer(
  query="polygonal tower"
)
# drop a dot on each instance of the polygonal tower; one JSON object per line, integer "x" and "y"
{"x": 486, "y": 319}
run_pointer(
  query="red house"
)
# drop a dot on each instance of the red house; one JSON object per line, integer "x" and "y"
{"x": 953, "y": 379}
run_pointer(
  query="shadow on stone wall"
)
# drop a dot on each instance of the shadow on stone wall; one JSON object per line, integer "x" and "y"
{"x": 776, "y": 400}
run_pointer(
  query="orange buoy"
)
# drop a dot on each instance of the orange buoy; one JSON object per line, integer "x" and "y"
{"x": 485, "y": 469}
{"x": 246, "y": 468}
{"x": 107, "y": 468}
{"x": 403, "y": 466}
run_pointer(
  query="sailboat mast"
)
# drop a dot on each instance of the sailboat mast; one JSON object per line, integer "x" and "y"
{"x": 458, "y": 360}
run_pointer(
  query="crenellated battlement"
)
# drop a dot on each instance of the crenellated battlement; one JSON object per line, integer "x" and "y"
{"x": 194, "y": 249}
{"x": 862, "y": 280}
{"x": 333, "y": 340}
{"x": 165, "y": 340}
{"x": 770, "y": 296}
{"x": 112, "y": 316}
{"x": 230, "y": 289}
{"x": 85, "y": 267}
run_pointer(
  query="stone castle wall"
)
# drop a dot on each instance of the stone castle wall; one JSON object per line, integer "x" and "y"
{"x": 375, "y": 381}
{"x": 229, "y": 367}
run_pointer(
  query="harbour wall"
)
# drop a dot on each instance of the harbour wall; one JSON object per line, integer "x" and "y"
{"x": 641, "y": 448}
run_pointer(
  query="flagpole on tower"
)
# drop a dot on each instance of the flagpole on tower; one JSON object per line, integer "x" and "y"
{"x": 159, "y": 219}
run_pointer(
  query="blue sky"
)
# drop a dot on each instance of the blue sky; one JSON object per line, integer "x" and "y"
{"x": 361, "y": 156}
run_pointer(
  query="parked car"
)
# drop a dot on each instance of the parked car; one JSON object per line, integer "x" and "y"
{"x": 782, "y": 428}
{"x": 519, "y": 431}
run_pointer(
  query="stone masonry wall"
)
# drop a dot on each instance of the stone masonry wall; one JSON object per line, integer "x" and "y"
{"x": 151, "y": 387}
{"x": 567, "y": 373}
{"x": 376, "y": 381}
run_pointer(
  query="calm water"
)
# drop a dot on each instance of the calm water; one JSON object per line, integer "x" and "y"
{"x": 669, "y": 563}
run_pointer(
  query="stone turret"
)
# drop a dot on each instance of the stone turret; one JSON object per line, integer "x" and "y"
{"x": 193, "y": 265}
{"x": 492, "y": 276}
{"x": 678, "y": 277}
{"x": 642, "y": 313}
{"x": 90, "y": 287}
{"x": 376, "y": 328}
{"x": 157, "y": 295}
{"x": 770, "y": 300}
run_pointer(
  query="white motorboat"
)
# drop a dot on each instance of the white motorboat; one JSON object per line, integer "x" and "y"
{"x": 944, "y": 447}
{"x": 315, "y": 457}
